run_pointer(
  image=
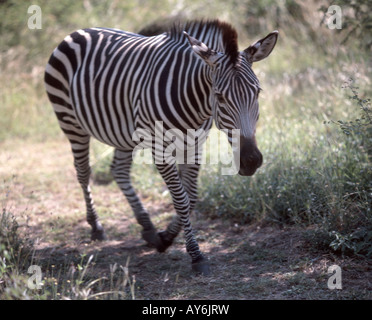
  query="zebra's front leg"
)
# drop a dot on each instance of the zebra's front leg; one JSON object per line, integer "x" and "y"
{"x": 189, "y": 178}
{"x": 120, "y": 169}
{"x": 181, "y": 202}
{"x": 188, "y": 174}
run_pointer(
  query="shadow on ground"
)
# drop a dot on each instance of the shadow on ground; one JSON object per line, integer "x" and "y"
{"x": 247, "y": 262}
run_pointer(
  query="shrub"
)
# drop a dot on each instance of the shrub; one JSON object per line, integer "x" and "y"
{"x": 14, "y": 251}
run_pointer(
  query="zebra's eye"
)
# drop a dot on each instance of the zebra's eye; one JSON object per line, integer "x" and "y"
{"x": 220, "y": 98}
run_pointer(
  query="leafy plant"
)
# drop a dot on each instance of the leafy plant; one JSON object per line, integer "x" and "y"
{"x": 361, "y": 127}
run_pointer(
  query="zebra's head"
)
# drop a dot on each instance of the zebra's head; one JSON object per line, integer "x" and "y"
{"x": 234, "y": 96}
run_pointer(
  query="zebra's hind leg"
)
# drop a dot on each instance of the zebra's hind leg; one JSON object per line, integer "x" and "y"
{"x": 80, "y": 150}
{"x": 120, "y": 169}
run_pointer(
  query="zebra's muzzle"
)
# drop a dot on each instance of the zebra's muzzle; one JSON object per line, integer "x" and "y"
{"x": 250, "y": 157}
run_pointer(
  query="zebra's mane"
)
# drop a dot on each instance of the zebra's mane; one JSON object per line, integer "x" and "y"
{"x": 222, "y": 36}
{"x": 217, "y": 35}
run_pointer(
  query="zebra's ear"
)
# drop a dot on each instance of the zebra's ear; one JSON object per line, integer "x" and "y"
{"x": 208, "y": 55}
{"x": 261, "y": 48}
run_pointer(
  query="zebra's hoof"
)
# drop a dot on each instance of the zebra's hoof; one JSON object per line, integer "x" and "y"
{"x": 98, "y": 235}
{"x": 201, "y": 266}
{"x": 151, "y": 237}
{"x": 165, "y": 241}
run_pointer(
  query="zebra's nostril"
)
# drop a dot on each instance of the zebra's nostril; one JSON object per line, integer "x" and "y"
{"x": 252, "y": 163}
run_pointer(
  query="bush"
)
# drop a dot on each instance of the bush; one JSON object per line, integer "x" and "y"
{"x": 356, "y": 237}
{"x": 14, "y": 252}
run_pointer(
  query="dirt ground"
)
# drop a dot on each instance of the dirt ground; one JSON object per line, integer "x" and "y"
{"x": 247, "y": 262}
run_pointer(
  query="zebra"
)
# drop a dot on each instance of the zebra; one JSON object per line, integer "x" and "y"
{"x": 108, "y": 84}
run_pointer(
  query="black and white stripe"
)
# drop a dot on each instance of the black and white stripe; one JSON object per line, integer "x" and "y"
{"x": 108, "y": 84}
